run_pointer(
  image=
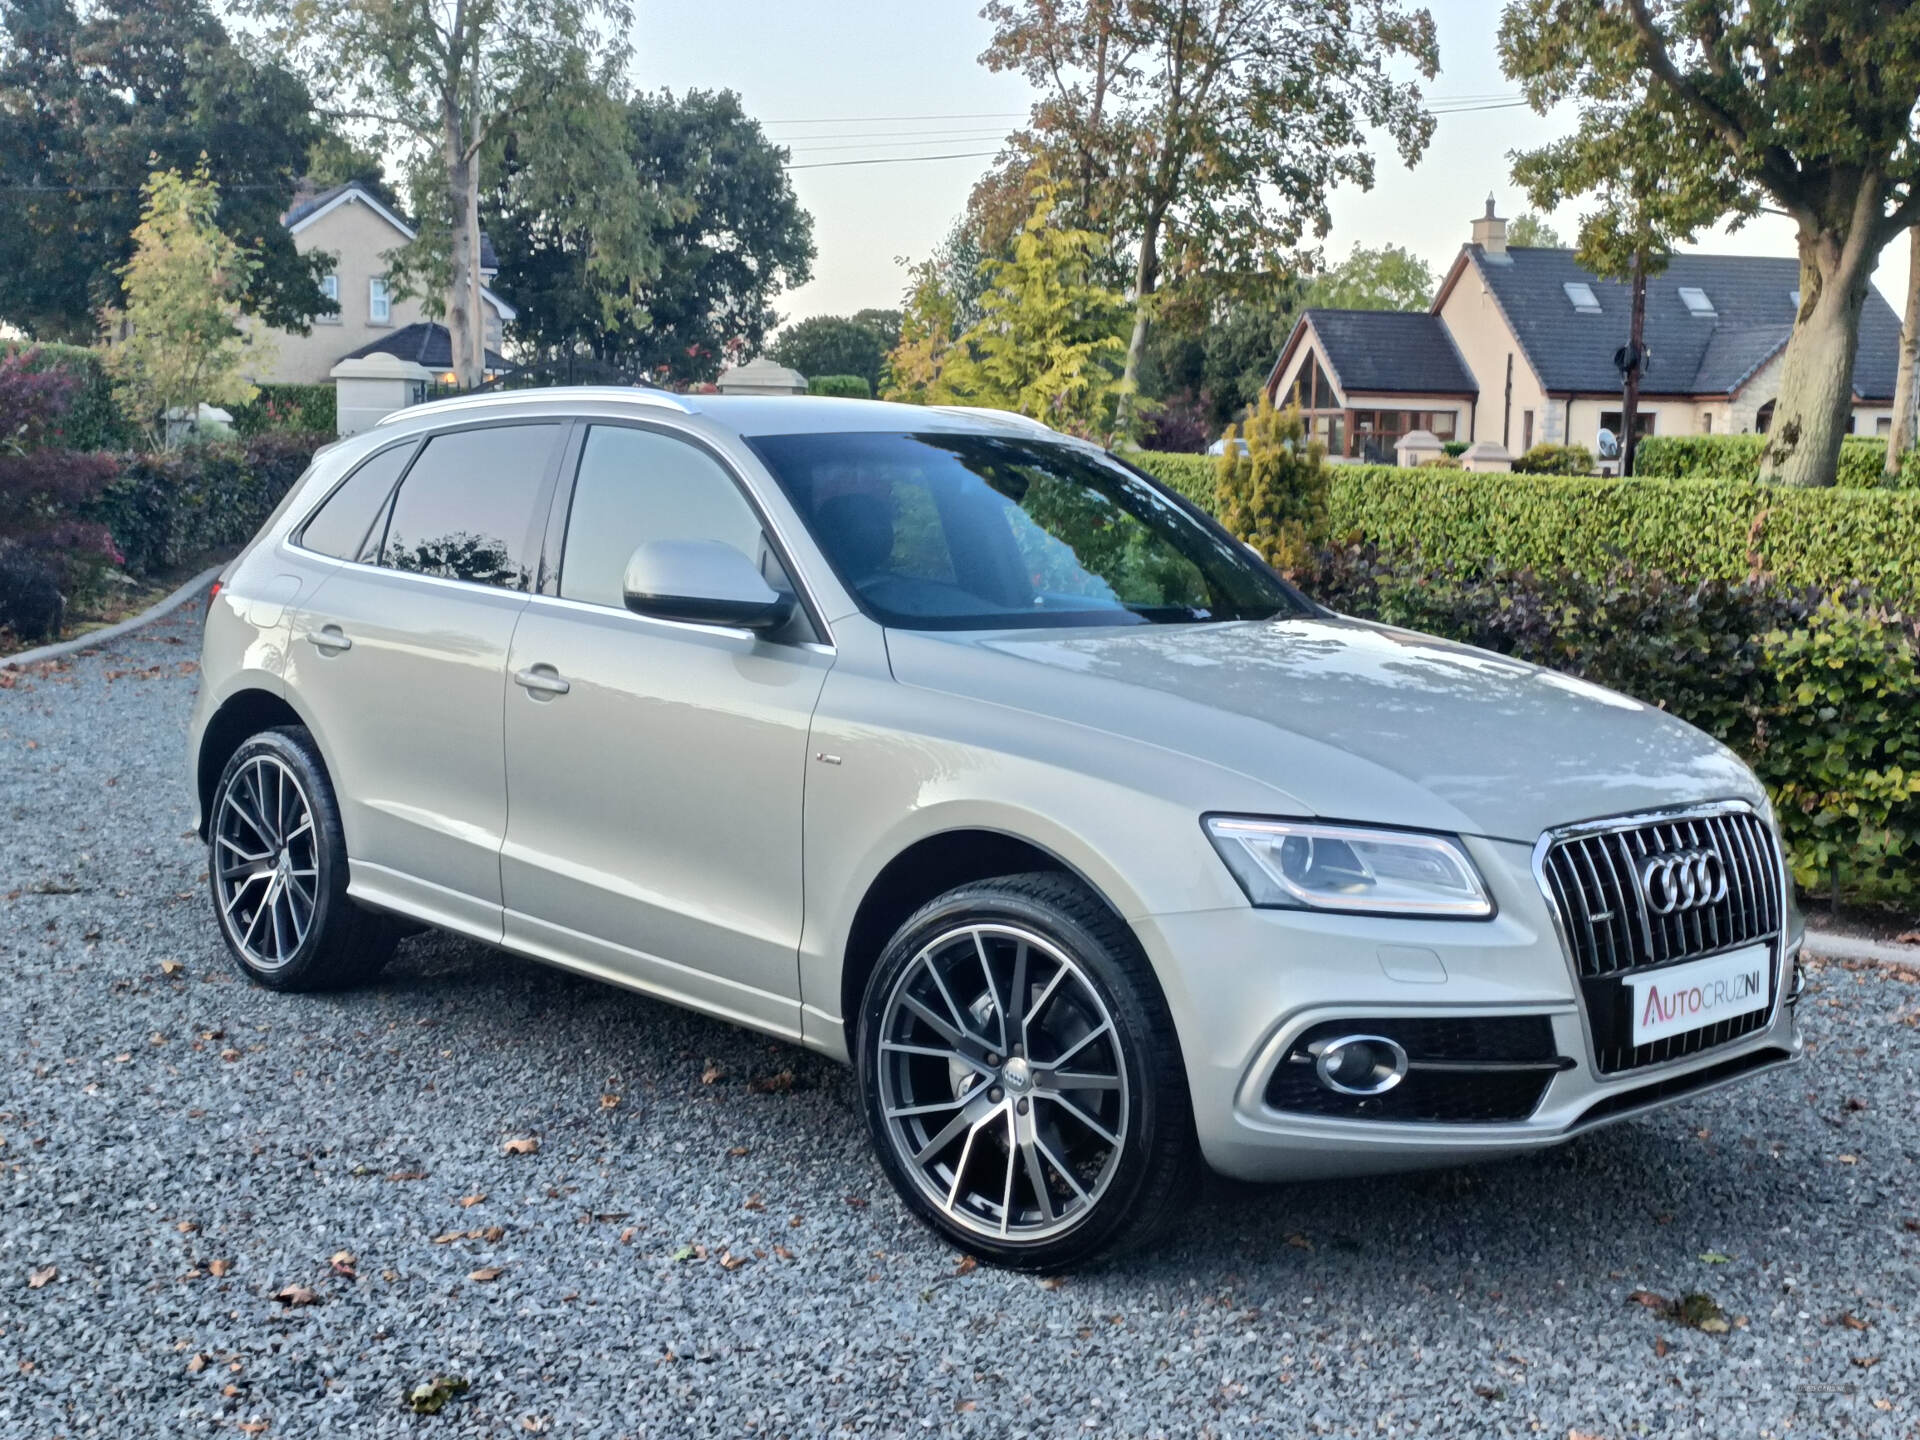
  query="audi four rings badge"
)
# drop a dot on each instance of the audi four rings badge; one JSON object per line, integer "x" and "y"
{"x": 1682, "y": 880}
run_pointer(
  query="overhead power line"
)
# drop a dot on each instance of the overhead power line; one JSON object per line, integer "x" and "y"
{"x": 890, "y": 160}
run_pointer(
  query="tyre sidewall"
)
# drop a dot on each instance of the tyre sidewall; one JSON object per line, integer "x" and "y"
{"x": 986, "y": 903}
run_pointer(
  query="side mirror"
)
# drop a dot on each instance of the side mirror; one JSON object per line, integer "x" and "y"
{"x": 702, "y": 582}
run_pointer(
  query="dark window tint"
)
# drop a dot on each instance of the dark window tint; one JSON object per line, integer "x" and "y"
{"x": 340, "y": 528}
{"x": 972, "y": 531}
{"x": 639, "y": 485}
{"x": 467, "y": 506}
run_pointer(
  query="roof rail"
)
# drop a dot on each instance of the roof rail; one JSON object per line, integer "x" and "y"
{"x": 1008, "y": 417}
{"x": 628, "y": 393}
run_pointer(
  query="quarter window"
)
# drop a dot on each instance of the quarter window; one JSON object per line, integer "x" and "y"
{"x": 466, "y": 508}
{"x": 638, "y": 485}
{"x": 341, "y": 526}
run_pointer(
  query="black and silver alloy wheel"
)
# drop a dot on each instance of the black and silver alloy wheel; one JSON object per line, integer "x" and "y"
{"x": 266, "y": 871}
{"x": 1002, "y": 1082}
{"x": 277, "y": 867}
{"x": 1021, "y": 1077}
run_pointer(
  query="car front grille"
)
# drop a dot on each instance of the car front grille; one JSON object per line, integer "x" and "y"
{"x": 1467, "y": 1070}
{"x": 1614, "y": 927}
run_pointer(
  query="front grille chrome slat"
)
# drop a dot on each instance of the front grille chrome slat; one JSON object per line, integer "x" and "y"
{"x": 1612, "y": 928}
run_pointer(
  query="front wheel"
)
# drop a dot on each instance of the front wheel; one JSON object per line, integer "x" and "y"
{"x": 277, "y": 865}
{"x": 1021, "y": 1077}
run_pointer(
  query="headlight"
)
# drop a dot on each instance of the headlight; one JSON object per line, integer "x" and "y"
{"x": 1299, "y": 865}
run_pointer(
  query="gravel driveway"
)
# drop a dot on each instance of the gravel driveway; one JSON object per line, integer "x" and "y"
{"x": 700, "y": 1245}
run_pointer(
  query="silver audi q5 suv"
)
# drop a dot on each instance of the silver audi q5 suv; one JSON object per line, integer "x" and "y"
{"x": 965, "y": 753}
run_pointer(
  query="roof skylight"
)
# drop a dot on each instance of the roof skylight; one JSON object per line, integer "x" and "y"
{"x": 1696, "y": 301}
{"x": 1581, "y": 295}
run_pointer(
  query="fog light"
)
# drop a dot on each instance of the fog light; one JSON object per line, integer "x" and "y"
{"x": 1359, "y": 1064}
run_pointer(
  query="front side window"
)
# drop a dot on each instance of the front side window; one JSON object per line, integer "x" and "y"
{"x": 465, "y": 510}
{"x": 343, "y": 526}
{"x": 379, "y": 302}
{"x": 638, "y": 485}
{"x": 965, "y": 531}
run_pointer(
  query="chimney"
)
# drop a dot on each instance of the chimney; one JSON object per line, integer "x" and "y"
{"x": 1490, "y": 232}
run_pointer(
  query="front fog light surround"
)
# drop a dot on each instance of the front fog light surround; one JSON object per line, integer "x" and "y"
{"x": 1359, "y": 1064}
{"x": 1302, "y": 865}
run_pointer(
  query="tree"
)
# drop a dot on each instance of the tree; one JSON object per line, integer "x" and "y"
{"x": 703, "y": 211}
{"x": 1048, "y": 340}
{"x": 446, "y": 80}
{"x": 1205, "y": 135}
{"x": 941, "y": 303}
{"x": 1383, "y": 278}
{"x": 91, "y": 101}
{"x": 1803, "y": 106}
{"x": 1900, "y": 436}
{"x": 1274, "y": 494}
{"x": 884, "y": 323}
{"x": 1532, "y": 232}
{"x": 182, "y": 345}
{"x": 832, "y": 345}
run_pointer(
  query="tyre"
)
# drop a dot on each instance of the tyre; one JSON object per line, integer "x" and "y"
{"x": 277, "y": 867}
{"x": 1021, "y": 1077}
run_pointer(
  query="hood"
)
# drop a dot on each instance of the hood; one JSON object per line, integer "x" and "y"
{"x": 1351, "y": 720}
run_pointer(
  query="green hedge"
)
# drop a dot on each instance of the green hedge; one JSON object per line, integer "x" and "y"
{"x": 167, "y": 509}
{"x": 852, "y": 387}
{"x": 1737, "y": 457}
{"x": 289, "y": 409}
{"x": 1191, "y": 475}
{"x": 93, "y": 421}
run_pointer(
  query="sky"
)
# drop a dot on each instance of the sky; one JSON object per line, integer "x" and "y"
{"x": 841, "y": 80}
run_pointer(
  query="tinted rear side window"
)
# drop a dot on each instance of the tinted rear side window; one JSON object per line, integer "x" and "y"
{"x": 465, "y": 511}
{"x": 340, "y": 527}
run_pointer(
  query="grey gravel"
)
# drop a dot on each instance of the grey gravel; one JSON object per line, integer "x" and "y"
{"x": 155, "y": 1123}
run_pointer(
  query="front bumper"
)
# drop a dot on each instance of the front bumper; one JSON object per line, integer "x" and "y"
{"x": 1243, "y": 984}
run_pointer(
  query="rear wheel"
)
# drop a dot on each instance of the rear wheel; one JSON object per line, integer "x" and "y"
{"x": 1021, "y": 1076}
{"x": 277, "y": 866}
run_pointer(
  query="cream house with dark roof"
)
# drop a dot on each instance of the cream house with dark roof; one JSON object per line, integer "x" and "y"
{"x": 350, "y": 223}
{"x": 1518, "y": 348}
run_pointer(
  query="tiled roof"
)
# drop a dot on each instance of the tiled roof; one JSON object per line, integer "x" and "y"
{"x": 423, "y": 342}
{"x": 1753, "y": 302}
{"x": 306, "y": 204}
{"x": 1392, "y": 352}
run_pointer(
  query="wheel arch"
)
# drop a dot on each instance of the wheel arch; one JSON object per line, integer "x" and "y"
{"x": 242, "y": 714}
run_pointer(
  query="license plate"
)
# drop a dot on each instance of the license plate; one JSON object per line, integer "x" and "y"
{"x": 1687, "y": 997}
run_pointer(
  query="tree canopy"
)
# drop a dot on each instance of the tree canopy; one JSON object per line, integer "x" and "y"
{"x": 1533, "y": 232}
{"x": 1693, "y": 111}
{"x": 835, "y": 345}
{"x": 1384, "y": 277}
{"x": 90, "y": 102}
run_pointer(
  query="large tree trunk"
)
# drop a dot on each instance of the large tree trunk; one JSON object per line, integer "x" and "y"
{"x": 476, "y": 315}
{"x": 1900, "y": 437}
{"x": 1816, "y": 379}
{"x": 462, "y": 260}
{"x": 1146, "y": 274}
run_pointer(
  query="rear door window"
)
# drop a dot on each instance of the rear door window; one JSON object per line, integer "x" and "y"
{"x": 343, "y": 525}
{"x": 465, "y": 510}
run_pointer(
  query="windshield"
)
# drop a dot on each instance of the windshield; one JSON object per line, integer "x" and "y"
{"x": 976, "y": 532}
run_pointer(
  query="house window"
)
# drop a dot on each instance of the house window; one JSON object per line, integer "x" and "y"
{"x": 1580, "y": 295}
{"x": 330, "y": 287}
{"x": 1883, "y": 425}
{"x": 1696, "y": 301}
{"x": 1312, "y": 390}
{"x": 1377, "y": 432}
{"x": 1706, "y": 422}
{"x": 1642, "y": 422}
{"x": 1526, "y": 431}
{"x": 379, "y": 302}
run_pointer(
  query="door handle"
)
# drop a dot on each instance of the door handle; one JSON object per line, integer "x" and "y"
{"x": 330, "y": 637}
{"x": 541, "y": 680}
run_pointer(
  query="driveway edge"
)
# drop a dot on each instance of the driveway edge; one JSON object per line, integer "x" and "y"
{"x": 114, "y": 631}
{"x": 1850, "y": 947}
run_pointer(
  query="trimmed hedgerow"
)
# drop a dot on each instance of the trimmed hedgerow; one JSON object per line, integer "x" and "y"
{"x": 852, "y": 387}
{"x": 1737, "y": 457}
{"x": 92, "y": 419}
{"x": 1191, "y": 475}
{"x": 1544, "y": 459}
{"x": 289, "y": 409}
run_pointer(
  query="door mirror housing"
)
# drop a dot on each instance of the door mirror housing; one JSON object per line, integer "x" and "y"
{"x": 703, "y": 582}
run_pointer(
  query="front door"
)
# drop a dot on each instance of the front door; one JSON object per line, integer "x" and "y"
{"x": 655, "y": 769}
{"x": 400, "y": 658}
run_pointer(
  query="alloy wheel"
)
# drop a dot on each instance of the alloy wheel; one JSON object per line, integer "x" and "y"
{"x": 266, "y": 862}
{"x": 1003, "y": 1083}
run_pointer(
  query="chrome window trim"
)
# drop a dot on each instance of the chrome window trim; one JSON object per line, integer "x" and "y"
{"x": 647, "y": 622}
{"x": 1631, "y": 821}
{"x": 297, "y": 532}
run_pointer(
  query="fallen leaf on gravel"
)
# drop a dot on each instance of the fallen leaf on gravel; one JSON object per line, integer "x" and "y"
{"x": 525, "y": 1145}
{"x": 783, "y": 1252}
{"x": 609, "y": 1102}
{"x": 1701, "y": 1312}
{"x": 1854, "y": 1322}
{"x": 253, "y": 1427}
{"x": 687, "y": 1252}
{"x": 754, "y": 1202}
{"x": 1849, "y": 1159}
{"x": 1581, "y": 1435}
{"x": 966, "y": 1266}
{"x": 731, "y": 1261}
{"x": 467, "y": 1202}
{"x": 172, "y": 967}
{"x": 196, "y": 1364}
{"x": 449, "y": 1237}
{"x": 739, "y": 1150}
{"x": 858, "y": 1202}
{"x": 431, "y": 1396}
{"x": 408, "y": 1175}
{"x": 43, "y": 1276}
{"x": 1299, "y": 1241}
{"x": 1911, "y": 1224}
{"x": 1489, "y": 1392}
{"x": 1649, "y": 1299}
{"x": 219, "y": 1268}
{"x": 772, "y": 1084}
{"x": 1660, "y": 1347}
{"x": 229, "y": 1055}
{"x": 187, "y": 1227}
{"x": 1907, "y": 937}
{"x": 626, "y": 1235}
{"x": 1866, "y": 1362}
{"x": 966, "y": 1406}
{"x": 712, "y": 1074}
{"x": 291, "y": 1295}
{"x": 1714, "y": 1257}
{"x": 1052, "y": 1282}
{"x": 491, "y": 1234}
{"x": 342, "y": 1262}
{"x": 485, "y": 1274}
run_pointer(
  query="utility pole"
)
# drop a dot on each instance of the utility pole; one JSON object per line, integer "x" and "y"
{"x": 1635, "y": 358}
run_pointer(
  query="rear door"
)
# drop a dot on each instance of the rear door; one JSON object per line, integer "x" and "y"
{"x": 655, "y": 769}
{"x": 399, "y": 660}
